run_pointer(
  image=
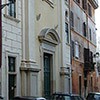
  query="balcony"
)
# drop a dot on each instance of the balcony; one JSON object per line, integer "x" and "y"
{"x": 89, "y": 67}
{"x": 94, "y": 3}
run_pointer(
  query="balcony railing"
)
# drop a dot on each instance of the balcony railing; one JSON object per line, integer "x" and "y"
{"x": 94, "y": 3}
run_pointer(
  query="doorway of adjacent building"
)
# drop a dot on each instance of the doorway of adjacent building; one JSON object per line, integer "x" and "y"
{"x": 47, "y": 75}
{"x": 80, "y": 85}
{"x": 11, "y": 77}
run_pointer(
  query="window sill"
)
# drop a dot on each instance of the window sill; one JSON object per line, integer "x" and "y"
{"x": 11, "y": 18}
{"x": 78, "y": 60}
{"x": 12, "y": 73}
{"x": 68, "y": 44}
{"x": 67, "y": 3}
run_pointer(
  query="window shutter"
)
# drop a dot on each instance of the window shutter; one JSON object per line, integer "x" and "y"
{"x": 12, "y": 8}
{"x": 78, "y": 1}
{"x": 72, "y": 19}
{"x": 84, "y": 4}
{"x": 91, "y": 57}
{"x": 84, "y": 29}
{"x": 90, "y": 35}
{"x": 76, "y": 50}
{"x": 72, "y": 48}
{"x": 67, "y": 33}
{"x": 89, "y": 10}
{"x": 80, "y": 51}
{"x": 86, "y": 55}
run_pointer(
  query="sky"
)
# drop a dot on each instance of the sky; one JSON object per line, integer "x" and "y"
{"x": 97, "y": 19}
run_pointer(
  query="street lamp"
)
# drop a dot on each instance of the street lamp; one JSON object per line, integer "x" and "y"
{"x": 7, "y": 4}
{"x": 1, "y": 7}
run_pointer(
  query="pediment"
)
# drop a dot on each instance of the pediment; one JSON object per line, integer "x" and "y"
{"x": 49, "y": 35}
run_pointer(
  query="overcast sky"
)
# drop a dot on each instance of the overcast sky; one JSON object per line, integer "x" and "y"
{"x": 97, "y": 18}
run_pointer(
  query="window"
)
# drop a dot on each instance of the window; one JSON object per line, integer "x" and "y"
{"x": 50, "y": 0}
{"x": 84, "y": 29}
{"x": 72, "y": 49}
{"x": 67, "y": 33}
{"x": 80, "y": 52}
{"x": 84, "y": 4}
{"x": 11, "y": 77}
{"x": 67, "y": 2}
{"x": 66, "y": 14}
{"x": 76, "y": 50}
{"x": 90, "y": 35}
{"x": 80, "y": 84}
{"x": 72, "y": 19}
{"x": 77, "y": 24}
{"x": 11, "y": 64}
{"x": 12, "y": 8}
{"x": 78, "y": 1}
{"x": 89, "y": 10}
{"x": 91, "y": 84}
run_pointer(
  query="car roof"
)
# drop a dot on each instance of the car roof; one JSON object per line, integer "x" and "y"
{"x": 28, "y": 97}
{"x": 59, "y": 93}
{"x": 74, "y": 94}
{"x": 94, "y": 93}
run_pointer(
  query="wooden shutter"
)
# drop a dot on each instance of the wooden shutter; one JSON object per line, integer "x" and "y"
{"x": 72, "y": 19}
{"x": 84, "y": 29}
{"x": 86, "y": 55}
{"x": 84, "y": 4}
{"x": 76, "y": 50}
{"x": 73, "y": 49}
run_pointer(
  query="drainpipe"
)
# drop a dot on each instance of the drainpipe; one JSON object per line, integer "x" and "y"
{"x": 0, "y": 34}
{"x": 70, "y": 49}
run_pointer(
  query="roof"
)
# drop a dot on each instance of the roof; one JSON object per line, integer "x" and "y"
{"x": 28, "y": 98}
{"x": 59, "y": 93}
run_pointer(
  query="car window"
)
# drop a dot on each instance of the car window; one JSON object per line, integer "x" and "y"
{"x": 61, "y": 97}
{"x": 67, "y": 97}
{"x": 75, "y": 98}
{"x": 97, "y": 97}
{"x": 80, "y": 98}
{"x": 57, "y": 97}
{"x": 90, "y": 97}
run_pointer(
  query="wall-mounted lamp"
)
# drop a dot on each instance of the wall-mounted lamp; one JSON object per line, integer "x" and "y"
{"x": 96, "y": 55}
{"x": 7, "y": 4}
{"x": 95, "y": 28}
{"x": 1, "y": 7}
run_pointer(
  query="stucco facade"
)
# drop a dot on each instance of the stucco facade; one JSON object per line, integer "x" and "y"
{"x": 83, "y": 36}
{"x": 35, "y": 48}
{"x": 46, "y": 66}
{"x": 38, "y": 57}
{"x": 11, "y": 51}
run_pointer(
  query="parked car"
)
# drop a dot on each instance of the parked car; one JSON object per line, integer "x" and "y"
{"x": 63, "y": 96}
{"x": 1, "y": 97}
{"x": 60, "y": 96}
{"x": 93, "y": 96}
{"x": 28, "y": 98}
{"x": 76, "y": 97}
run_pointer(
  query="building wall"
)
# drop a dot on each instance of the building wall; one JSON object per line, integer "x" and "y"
{"x": 11, "y": 46}
{"x": 37, "y": 41}
{"x": 77, "y": 34}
